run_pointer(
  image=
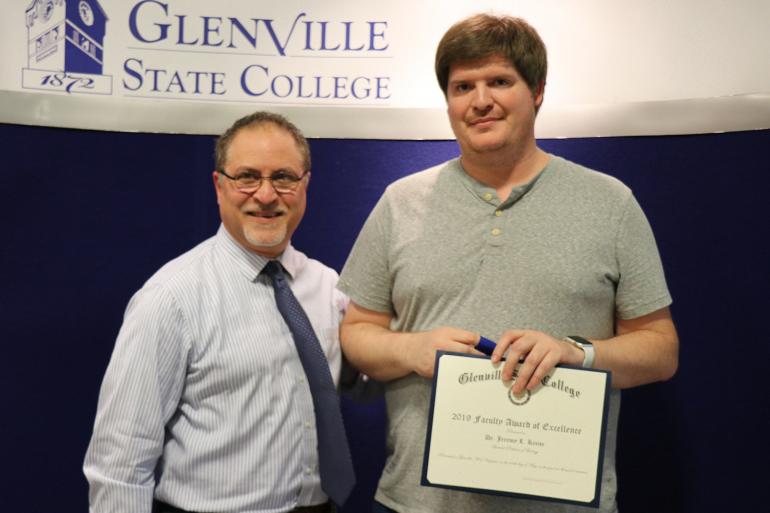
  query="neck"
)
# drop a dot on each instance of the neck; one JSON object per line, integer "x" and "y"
{"x": 504, "y": 170}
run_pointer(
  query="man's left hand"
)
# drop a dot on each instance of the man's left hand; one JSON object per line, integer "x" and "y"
{"x": 540, "y": 353}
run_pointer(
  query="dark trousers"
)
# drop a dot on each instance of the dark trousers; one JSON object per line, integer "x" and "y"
{"x": 162, "y": 507}
{"x": 381, "y": 508}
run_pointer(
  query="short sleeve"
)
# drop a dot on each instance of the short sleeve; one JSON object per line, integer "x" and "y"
{"x": 641, "y": 287}
{"x": 366, "y": 276}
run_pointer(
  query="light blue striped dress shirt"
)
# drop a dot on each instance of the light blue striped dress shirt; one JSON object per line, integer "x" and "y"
{"x": 204, "y": 404}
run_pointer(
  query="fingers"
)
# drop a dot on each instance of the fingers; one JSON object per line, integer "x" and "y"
{"x": 455, "y": 340}
{"x": 467, "y": 338}
{"x": 508, "y": 338}
{"x": 462, "y": 347}
{"x": 533, "y": 369}
{"x": 531, "y": 355}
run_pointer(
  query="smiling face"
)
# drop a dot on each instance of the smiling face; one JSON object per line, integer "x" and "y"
{"x": 262, "y": 221}
{"x": 491, "y": 108}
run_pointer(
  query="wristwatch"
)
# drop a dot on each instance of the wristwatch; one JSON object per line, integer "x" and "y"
{"x": 586, "y": 346}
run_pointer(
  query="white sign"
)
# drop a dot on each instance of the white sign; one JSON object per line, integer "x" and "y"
{"x": 356, "y": 68}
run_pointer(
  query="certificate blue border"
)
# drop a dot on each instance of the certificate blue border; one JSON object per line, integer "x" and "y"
{"x": 599, "y": 464}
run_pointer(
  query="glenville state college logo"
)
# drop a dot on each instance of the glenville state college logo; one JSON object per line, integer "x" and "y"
{"x": 65, "y": 47}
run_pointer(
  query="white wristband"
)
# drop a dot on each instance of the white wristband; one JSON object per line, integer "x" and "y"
{"x": 586, "y": 346}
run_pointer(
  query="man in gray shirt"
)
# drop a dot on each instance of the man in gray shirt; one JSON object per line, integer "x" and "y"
{"x": 507, "y": 242}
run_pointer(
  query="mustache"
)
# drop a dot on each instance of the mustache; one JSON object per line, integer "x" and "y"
{"x": 265, "y": 211}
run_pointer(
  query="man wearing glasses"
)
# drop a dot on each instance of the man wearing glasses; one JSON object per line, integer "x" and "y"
{"x": 209, "y": 402}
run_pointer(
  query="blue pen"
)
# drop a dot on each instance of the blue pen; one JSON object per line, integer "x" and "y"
{"x": 486, "y": 346}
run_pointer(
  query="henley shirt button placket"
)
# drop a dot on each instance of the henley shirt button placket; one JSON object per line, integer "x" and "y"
{"x": 496, "y": 229}
{"x": 495, "y": 221}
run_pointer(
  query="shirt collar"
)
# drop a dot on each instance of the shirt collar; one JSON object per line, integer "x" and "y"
{"x": 489, "y": 194}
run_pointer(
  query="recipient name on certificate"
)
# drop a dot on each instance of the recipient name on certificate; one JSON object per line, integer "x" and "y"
{"x": 545, "y": 444}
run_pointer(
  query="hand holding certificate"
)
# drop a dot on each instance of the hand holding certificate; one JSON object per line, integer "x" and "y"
{"x": 544, "y": 444}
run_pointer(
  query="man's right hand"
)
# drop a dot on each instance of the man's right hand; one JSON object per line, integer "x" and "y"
{"x": 421, "y": 347}
{"x": 371, "y": 347}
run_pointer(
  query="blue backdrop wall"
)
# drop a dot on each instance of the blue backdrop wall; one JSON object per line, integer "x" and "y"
{"x": 90, "y": 215}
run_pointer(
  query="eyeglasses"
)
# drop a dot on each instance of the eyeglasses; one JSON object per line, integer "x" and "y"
{"x": 282, "y": 181}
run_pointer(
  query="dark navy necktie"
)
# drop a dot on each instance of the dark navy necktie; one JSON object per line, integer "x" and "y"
{"x": 336, "y": 466}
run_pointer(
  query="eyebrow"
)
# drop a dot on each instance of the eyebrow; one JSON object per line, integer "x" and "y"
{"x": 505, "y": 74}
{"x": 258, "y": 172}
{"x": 497, "y": 70}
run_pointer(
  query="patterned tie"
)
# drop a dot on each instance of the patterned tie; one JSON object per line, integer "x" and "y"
{"x": 336, "y": 466}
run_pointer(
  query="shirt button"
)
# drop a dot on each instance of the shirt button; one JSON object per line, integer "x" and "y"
{"x": 307, "y": 471}
{"x": 301, "y": 380}
{"x": 496, "y": 231}
{"x": 488, "y": 196}
{"x": 307, "y": 425}
{"x": 498, "y": 213}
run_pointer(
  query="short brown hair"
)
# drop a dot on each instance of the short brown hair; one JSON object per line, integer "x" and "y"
{"x": 255, "y": 120}
{"x": 485, "y": 35}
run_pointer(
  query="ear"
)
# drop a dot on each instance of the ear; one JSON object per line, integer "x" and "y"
{"x": 538, "y": 95}
{"x": 217, "y": 185}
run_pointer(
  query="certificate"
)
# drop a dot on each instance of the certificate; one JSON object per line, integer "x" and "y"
{"x": 546, "y": 444}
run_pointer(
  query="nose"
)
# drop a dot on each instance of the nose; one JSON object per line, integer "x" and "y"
{"x": 265, "y": 193}
{"x": 482, "y": 97}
